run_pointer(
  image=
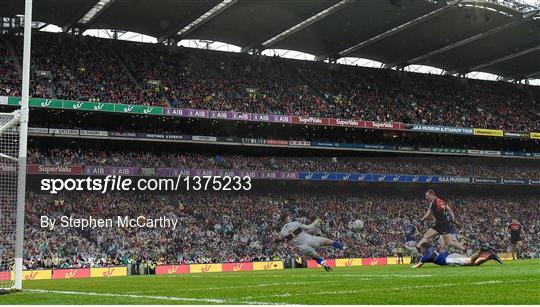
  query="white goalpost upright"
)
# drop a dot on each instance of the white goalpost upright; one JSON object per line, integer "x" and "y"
{"x": 23, "y": 135}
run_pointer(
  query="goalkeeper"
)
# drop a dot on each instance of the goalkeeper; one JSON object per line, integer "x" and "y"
{"x": 296, "y": 233}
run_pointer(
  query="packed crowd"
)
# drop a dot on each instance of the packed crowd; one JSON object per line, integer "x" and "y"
{"x": 84, "y": 68}
{"x": 449, "y": 166}
{"x": 9, "y": 84}
{"x": 243, "y": 227}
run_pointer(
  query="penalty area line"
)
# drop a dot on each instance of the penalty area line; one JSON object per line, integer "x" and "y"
{"x": 152, "y": 297}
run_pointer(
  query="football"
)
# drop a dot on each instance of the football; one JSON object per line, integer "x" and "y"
{"x": 358, "y": 224}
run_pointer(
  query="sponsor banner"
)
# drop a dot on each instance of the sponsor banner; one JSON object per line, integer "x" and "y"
{"x": 394, "y": 260}
{"x": 88, "y": 106}
{"x": 14, "y": 101}
{"x": 267, "y": 265}
{"x": 123, "y": 134}
{"x": 228, "y": 139}
{"x": 346, "y": 122}
{"x": 148, "y": 171}
{"x": 9, "y": 168}
{"x": 108, "y": 272}
{"x": 241, "y": 116}
{"x": 54, "y": 169}
{"x": 534, "y": 181}
{"x": 70, "y": 273}
{"x": 157, "y": 136}
{"x": 535, "y": 135}
{"x": 219, "y": 114}
{"x": 205, "y": 268}
{"x": 38, "y": 130}
{"x": 314, "y": 264}
{"x": 349, "y": 262}
{"x": 374, "y": 261}
{"x": 378, "y": 125}
{"x": 45, "y": 103}
{"x": 172, "y": 269}
{"x": 237, "y": 267}
{"x": 405, "y": 148}
{"x": 484, "y": 152}
{"x": 308, "y": 120}
{"x": 300, "y": 143}
{"x": 485, "y": 180}
{"x": 253, "y": 141}
{"x": 137, "y": 109}
{"x": 522, "y": 135}
{"x": 455, "y": 179}
{"x": 112, "y": 170}
{"x": 5, "y": 275}
{"x": 505, "y": 256}
{"x": 177, "y": 137}
{"x": 324, "y": 144}
{"x": 514, "y": 181}
{"x": 194, "y": 113}
{"x": 442, "y": 129}
{"x": 271, "y": 175}
{"x": 488, "y": 132}
{"x": 204, "y": 138}
{"x": 281, "y": 118}
{"x": 93, "y": 133}
{"x": 277, "y": 142}
{"x": 36, "y": 274}
{"x": 449, "y": 150}
{"x": 316, "y": 176}
{"x": 64, "y": 131}
{"x": 3, "y": 100}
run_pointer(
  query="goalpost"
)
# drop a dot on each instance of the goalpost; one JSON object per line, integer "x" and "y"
{"x": 13, "y": 141}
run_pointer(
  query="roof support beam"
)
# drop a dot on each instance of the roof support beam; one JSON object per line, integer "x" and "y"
{"x": 87, "y": 18}
{"x": 496, "y": 61}
{"x": 467, "y": 41}
{"x": 397, "y": 29}
{"x": 302, "y": 25}
{"x": 178, "y": 33}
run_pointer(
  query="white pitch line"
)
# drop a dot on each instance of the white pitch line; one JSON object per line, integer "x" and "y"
{"x": 385, "y": 289}
{"x": 153, "y": 297}
{"x": 240, "y": 286}
{"x": 326, "y": 275}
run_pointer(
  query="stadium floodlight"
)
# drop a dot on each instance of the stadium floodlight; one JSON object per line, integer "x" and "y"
{"x": 13, "y": 141}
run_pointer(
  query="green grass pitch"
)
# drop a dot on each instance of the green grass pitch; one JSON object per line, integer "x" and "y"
{"x": 516, "y": 282}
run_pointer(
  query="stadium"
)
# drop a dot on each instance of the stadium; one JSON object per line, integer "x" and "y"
{"x": 269, "y": 152}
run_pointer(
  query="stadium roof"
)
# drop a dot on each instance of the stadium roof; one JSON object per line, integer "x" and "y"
{"x": 495, "y": 36}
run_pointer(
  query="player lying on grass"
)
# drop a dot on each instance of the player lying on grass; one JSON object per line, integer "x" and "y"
{"x": 430, "y": 254}
{"x": 296, "y": 233}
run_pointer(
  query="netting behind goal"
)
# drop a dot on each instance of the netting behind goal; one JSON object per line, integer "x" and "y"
{"x": 9, "y": 151}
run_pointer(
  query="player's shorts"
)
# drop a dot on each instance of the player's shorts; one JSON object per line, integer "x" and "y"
{"x": 515, "y": 240}
{"x": 411, "y": 245}
{"x": 442, "y": 228}
{"x": 309, "y": 244}
{"x": 456, "y": 259}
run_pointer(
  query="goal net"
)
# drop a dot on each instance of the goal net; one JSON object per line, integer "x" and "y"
{"x": 9, "y": 152}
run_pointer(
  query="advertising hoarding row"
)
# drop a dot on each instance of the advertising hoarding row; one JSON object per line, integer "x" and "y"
{"x": 267, "y": 118}
{"x": 267, "y": 175}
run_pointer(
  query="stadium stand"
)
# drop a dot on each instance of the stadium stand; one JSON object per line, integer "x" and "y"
{"x": 111, "y": 71}
{"x": 425, "y": 165}
{"x": 232, "y": 227}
